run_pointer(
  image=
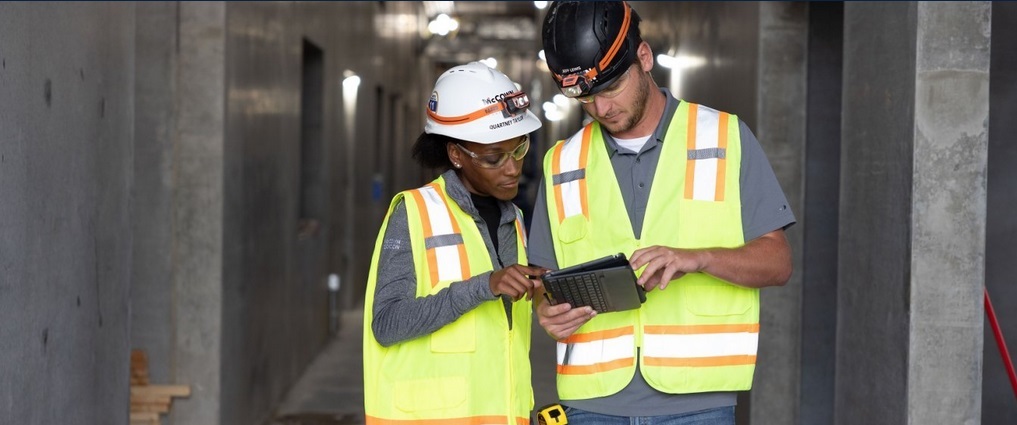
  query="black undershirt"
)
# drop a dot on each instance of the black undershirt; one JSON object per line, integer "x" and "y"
{"x": 490, "y": 212}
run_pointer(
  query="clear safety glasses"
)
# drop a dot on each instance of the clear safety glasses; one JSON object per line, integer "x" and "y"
{"x": 496, "y": 160}
{"x": 611, "y": 91}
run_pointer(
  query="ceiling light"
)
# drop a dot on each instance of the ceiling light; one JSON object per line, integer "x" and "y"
{"x": 680, "y": 61}
{"x": 442, "y": 25}
{"x": 540, "y": 4}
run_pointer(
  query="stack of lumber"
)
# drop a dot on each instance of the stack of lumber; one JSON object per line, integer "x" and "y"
{"x": 149, "y": 401}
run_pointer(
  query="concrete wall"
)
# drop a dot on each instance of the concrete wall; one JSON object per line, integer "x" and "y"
{"x": 912, "y": 213}
{"x": 875, "y": 212}
{"x": 783, "y": 51}
{"x": 229, "y": 298}
{"x": 818, "y": 267}
{"x": 998, "y": 406}
{"x": 725, "y": 35}
{"x": 66, "y": 152}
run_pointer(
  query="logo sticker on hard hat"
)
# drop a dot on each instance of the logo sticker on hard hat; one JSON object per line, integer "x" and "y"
{"x": 432, "y": 104}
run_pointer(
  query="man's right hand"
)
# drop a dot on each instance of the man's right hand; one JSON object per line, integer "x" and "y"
{"x": 562, "y": 320}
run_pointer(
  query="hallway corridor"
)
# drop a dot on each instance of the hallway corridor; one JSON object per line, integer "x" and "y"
{"x": 330, "y": 391}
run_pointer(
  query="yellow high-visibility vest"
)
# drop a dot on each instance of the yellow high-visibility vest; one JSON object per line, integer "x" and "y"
{"x": 701, "y": 333}
{"x": 474, "y": 371}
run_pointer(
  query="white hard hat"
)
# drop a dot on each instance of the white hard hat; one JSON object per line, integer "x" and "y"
{"x": 478, "y": 104}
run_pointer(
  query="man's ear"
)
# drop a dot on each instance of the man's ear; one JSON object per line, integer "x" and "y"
{"x": 645, "y": 55}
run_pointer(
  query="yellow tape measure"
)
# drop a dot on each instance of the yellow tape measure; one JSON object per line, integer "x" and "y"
{"x": 552, "y": 414}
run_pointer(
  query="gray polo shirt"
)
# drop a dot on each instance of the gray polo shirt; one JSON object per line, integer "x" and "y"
{"x": 764, "y": 209}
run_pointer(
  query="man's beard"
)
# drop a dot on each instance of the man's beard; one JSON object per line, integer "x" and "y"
{"x": 638, "y": 108}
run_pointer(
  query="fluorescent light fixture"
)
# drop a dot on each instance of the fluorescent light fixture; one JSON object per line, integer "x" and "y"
{"x": 351, "y": 82}
{"x": 680, "y": 61}
{"x": 442, "y": 25}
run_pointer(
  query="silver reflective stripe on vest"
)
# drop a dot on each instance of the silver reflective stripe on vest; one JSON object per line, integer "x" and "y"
{"x": 569, "y": 176}
{"x": 443, "y": 240}
{"x": 447, "y": 255}
{"x": 707, "y": 153}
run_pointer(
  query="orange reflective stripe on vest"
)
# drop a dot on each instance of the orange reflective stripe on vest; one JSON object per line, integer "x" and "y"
{"x": 473, "y": 420}
{"x": 700, "y": 345}
{"x": 598, "y": 351}
{"x": 569, "y": 176}
{"x": 707, "y": 136}
{"x": 446, "y": 252}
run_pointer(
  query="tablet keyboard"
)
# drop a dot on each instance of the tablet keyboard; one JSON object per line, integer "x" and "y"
{"x": 583, "y": 290}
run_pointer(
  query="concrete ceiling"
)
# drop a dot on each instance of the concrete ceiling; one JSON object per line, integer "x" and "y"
{"x": 500, "y": 29}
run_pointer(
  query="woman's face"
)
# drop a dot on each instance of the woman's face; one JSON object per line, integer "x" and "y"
{"x": 491, "y": 169}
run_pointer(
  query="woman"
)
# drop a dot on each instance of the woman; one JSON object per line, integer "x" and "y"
{"x": 447, "y": 314}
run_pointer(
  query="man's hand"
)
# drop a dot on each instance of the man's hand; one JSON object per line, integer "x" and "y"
{"x": 562, "y": 320}
{"x": 515, "y": 281}
{"x": 761, "y": 262}
{"x": 664, "y": 264}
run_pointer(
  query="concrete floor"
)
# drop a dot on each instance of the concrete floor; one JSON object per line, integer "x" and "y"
{"x": 330, "y": 392}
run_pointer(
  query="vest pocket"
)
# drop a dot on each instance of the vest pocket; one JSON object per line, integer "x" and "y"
{"x": 430, "y": 394}
{"x": 456, "y": 337}
{"x": 572, "y": 229}
{"x": 717, "y": 299}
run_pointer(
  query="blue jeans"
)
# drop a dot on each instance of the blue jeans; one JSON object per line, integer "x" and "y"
{"x": 718, "y": 416}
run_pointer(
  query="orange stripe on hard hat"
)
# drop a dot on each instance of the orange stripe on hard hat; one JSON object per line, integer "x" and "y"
{"x": 463, "y": 119}
{"x": 622, "y": 32}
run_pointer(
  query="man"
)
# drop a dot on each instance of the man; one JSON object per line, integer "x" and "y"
{"x": 687, "y": 193}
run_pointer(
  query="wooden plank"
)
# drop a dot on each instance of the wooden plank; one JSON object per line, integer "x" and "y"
{"x": 151, "y": 398}
{"x": 144, "y": 416}
{"x": 172, "y": 390}
{"x": 150, "y": 408}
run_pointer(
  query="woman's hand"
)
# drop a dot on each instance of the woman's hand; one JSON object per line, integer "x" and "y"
{"x": 516, "y": 280}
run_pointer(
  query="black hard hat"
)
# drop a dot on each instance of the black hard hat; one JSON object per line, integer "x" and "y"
{"x": 588, "y": 44}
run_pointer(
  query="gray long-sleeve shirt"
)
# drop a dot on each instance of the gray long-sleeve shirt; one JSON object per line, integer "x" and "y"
{"x": 400, "y": 315}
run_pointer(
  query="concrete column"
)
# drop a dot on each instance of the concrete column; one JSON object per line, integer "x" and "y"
{"x": 198, "y": 210}
{"x": 948, "y": 212}
{"x": 152, "y": 272}
{"x": 781, "y": 131}
{"x": 912, "y": 213}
